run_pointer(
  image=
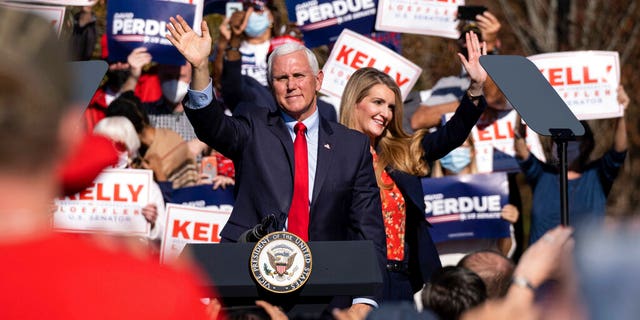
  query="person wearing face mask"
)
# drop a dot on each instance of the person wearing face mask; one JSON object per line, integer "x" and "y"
{"x": 372, "y": 104}
{"x": 255, "y": 46}
{"x": 462, "y": 161}
{"x": 589, "y": 182}
{"x": 168, "y": 111}
{"x": 124, "y": 136}
{"x": 457, "y": 160}
{"x": 253, "y": 30}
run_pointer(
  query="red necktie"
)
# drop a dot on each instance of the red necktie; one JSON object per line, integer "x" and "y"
{"x": 299, "y": 212}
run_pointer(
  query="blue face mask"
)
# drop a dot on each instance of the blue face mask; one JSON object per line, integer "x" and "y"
{"x": 457, "y": 159}
{"x": 257, "y": 24}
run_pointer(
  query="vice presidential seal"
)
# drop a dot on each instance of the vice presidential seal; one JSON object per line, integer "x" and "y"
{"x": 281, "y": 262}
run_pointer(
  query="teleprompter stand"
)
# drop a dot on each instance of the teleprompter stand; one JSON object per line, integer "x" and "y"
{"x": 539, "y": 105}
{"x": 340, "y": 268}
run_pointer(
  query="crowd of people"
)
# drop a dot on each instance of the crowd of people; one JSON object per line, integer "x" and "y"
{"x": 326, "y": 173}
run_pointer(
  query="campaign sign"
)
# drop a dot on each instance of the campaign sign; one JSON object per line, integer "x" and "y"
{"x": 197, "y": 20}
{"x": 322, "y": 21}
{"x": 203, "y": 196}
{"x": 466, "y": 206}
{"x": 143, "y": 23}
{"x": 428, "y": 17}
{"x": 585, "y": 80}
{"x": 112, "y": 204}
{"x": 53, "y": 14}
{"x": 493, "y": 142}
{"x": 353, "y": 51}
{"x": 186, "y": 224}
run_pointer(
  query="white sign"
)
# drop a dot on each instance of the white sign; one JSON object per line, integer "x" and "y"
{"x": 586, "y": 80}
{"x": 112, "y": 204}
{"x": 55, "y": 15}
{"x": 186, "y": 224}
{"x": 428, "y": 17}
{"x": 493, "y": 142}
{"x": 353, "y": 51}
{"x": 62, "y": 2}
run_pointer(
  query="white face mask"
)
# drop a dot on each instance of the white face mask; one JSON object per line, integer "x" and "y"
{"x": 174, "y": 90}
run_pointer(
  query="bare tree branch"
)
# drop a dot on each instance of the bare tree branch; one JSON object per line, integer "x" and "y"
{"x": 589, "y": 18}
{"x": 631, "y": 44}
{"x": 518, "y": 25}
{"x": 550, "y": 35}
{"x": 630, "y": 14}
{"x": 573, "y": 28}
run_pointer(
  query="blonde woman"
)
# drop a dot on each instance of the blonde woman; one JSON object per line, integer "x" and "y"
{"x": 372, "y": 104}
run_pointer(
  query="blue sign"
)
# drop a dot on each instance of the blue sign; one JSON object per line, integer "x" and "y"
{"x": 322, "y": 21}
{"x": 466, "y": 206}
{"x": 143, "y": 23}
{"x": 202, "y": 196}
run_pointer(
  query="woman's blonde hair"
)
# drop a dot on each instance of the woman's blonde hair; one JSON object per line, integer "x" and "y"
{"x": 395, "y": 147}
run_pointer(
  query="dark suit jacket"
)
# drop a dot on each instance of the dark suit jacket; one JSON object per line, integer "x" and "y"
{"x": 345, "y": 202}
{"x": 420, "y": 250}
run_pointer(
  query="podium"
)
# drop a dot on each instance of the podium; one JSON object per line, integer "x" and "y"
{"x": 340, "y": 268}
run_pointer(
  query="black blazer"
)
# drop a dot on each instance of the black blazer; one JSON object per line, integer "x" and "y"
{"x": 422, "y": 255}
{"x": 345, "y": 201}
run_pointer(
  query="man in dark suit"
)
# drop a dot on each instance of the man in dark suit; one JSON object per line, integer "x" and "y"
{"x": 344, "y": 201}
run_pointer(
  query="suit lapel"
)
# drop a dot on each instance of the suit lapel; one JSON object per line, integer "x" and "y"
{"x": 409, "y": 185}
{"x": 326, "y": 148}
{"x": 279, "y": 129}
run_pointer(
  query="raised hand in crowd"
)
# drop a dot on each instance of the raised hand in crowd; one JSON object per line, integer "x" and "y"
{"x": 234, "y": 25}
{"x": 620, "y": 139}
{"x": 477, "y": 74}
{"x": 137, "y": 59}
{"x": 489, "y": 27}
{"x": 542, "y": 261}
{"x": 231, "y": 34}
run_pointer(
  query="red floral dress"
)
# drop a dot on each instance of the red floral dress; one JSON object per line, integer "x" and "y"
{"x": 225, "y": 166}
{"x": 393, "y": 214}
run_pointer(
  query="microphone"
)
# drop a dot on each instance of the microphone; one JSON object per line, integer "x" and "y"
{"x": 259, "y": 230}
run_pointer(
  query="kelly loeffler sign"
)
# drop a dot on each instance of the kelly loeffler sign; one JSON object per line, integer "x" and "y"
{"x": 585, "y": 80}
{"x": 113, "y": 203}
{"x": 353, "y": 51}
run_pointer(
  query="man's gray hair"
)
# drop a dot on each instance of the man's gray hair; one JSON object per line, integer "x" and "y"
{"x": 287, "y": 49}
